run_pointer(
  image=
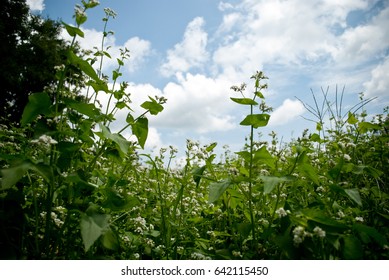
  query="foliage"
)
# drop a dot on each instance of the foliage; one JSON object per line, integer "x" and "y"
{"x": 30, "y": 48}
{"x": 71, "y": 188}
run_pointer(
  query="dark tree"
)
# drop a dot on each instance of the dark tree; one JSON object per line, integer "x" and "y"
{"x": 30, "y": 47}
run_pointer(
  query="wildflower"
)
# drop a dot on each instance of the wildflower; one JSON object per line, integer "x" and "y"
{"x": 340, "y": 214}
{"x": 45, "y": 140}
{"x": 237, "y": 254}
{"x": 319, "y": 232}
{"x": 281, "y": 212}
{"x": 347, "y": 157}
{"x": 359, "y": 219}
{"x": 298, "y": 235}
{"x": 110, "y": 13}
{"x": 320, "y": 189}
{"x": 136, "y": 256}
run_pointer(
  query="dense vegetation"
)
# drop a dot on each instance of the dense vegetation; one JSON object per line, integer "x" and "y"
{"x": 73, "y": 189}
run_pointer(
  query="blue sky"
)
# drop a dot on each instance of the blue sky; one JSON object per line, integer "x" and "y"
{"x": 193, "y": 51}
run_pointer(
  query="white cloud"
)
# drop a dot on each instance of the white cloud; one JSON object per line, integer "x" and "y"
{"x": 190, "y": 52}
{"x": 363, "y": 42}
{"x": 286, "y": 113}
{"x": 378, "y": 85}
{"x": 196, "y": 103}
{"x": 36, "y": 5}
{"x": 139, "y": 49}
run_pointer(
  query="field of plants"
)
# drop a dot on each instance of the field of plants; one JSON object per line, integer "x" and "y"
{"x": 73, "y": 189}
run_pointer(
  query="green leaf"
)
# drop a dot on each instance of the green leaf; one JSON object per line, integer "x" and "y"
{"x": 217, "y": 189}
{"x": 244, "y": 154}
{"x": 73, "y": 31}
{"x": 110, "y": 240}
{"x": 351, "y": 118}
{"x": 86, "y": 109}
{"x": 153, "y": 106}
{"x": 93, "y": 225}
{"x": 315, "y": 137}
{"x": 141, "y": 129}
{"x": 319, "y": 126}
{"x": 11, "y": 176}
{"x": 371, "y": 232}
{"x": 98, "y": 85}
{"x": 211, "y": 147}
{"x": 367, "y": 126}
{"x": 321, "y": 217}
{"x": 259, "y": 94}
{"x": 38, "y": 104}
{"x": 263, "y": 156}
{"x": 354, "y": 195}
{"x": 244, "y": 101}
{"x": 197, "y": 175}
{"x": 83, "y": 65}
{"x": 306, "y": 168}
{"x": 270, "y": 182}
{"x": 256, "y": 120}
{"x": 352, "y": 249}
{"x": 120, "y": 141}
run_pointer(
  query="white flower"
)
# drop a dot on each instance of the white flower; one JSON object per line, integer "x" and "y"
{"x": 298, "y": 235}
{"x": 319, "y": 232}
{"x": 359, "y": 219}
{"x": 44, "y": 140}
{"x": 347, "y": 157}
{"x": 281, "y": 212}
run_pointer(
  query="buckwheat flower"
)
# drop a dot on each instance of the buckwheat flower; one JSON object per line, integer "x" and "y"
{"x": 340, "y": 214}
{"x": 44, "y": 140}
{"x": 237, "y": 254}
{"x": 359, "y": 219}
{"x": 110, "y": 13}
{"x": 319, "y": 232}
{"x": 281, "y": 212}
{"x": 347, "y": 157}
{"x": 298, "y": 235}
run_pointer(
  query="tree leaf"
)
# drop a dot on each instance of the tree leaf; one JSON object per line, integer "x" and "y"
{"x": 217, "y": 189}
{"x": 141, "y": 129}
{"x": 256, "y": 120}
{"x": 244, "y": 101}
{"x": 38, "y": 104}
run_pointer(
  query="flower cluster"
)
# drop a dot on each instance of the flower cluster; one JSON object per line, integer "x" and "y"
{"x": 44, "y": 140}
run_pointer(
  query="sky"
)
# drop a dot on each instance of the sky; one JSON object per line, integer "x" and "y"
{"x": 192, "y": 52}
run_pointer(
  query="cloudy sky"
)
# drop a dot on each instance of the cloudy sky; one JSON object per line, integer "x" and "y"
{"x": 193, "y": 51}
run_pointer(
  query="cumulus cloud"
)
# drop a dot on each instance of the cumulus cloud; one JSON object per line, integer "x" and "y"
{"x": 196, "y": 103}
{"x": 190, "y": 52}
{"x": 36, "y": 5}
{"x": 378, "y": 85}
{"x": 286, "y": 113}
{"x": 363, "y": 42}
{"x": 139, "y": 49}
